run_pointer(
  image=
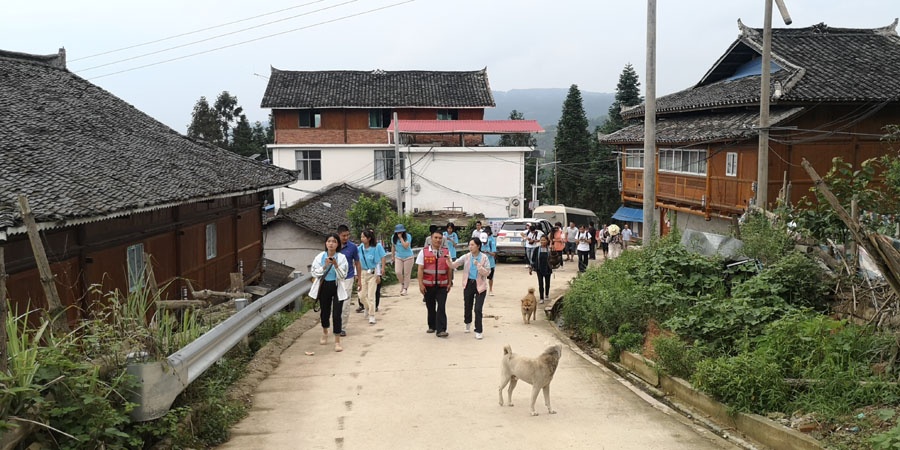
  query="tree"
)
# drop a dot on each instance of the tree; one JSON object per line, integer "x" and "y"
{"x": 242, "y": 141}
{"x": 628, "y": 93}
{"x": 227, "y": 114}
{"x": 572, "y": 151}
{"x": 204, "y": 124}
{"x": 521, "y": 140}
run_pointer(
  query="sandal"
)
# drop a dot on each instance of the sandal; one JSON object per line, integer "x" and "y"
{"x": 323, "y": 340}
{"x": 337, "y": 347}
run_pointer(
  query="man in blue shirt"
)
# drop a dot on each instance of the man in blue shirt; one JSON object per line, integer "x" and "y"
{"x": 349, "y": 250}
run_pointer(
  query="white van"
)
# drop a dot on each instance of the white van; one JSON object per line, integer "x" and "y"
{"x": 564, "y": 214}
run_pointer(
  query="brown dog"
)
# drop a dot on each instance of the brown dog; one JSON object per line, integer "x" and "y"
{"x": 529, "y": 307}
{"x": 538, "y": 372}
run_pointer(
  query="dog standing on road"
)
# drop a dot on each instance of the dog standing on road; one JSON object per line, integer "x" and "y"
{"x": 538, "y": 372}
{"x": 529, "y": 307}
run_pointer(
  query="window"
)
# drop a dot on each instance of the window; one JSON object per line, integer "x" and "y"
{"x": 210, "y": 241}
{"x": 135, "y": 267}
{"x": 310, "y": 118}
{"x": 731, "y": 164}
{"x": 448, "y": 114}
{"x": 684, "y": 161}
{"x": 634, "y": 158}
{"x": 309, "y": 164}
{"x": 384, "y": 165}
{"x": 379, "y": 118}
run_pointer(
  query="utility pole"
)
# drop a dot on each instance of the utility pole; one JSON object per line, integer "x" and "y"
{"x": 762, "y": 162}
{"x": 397, "y": 170}
{"x": 649, "y": 228}
{"x": 535, "y": 186}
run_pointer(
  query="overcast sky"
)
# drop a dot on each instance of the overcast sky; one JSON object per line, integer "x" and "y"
{"x": 523, "y": 43}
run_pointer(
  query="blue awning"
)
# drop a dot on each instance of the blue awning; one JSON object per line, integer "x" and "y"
{"x": 627, "y": 214}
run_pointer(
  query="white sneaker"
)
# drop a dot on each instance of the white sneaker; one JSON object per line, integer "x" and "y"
{"x": 478, "y": 335}
{"x": 372, "y": 320}
{"x": 468, "y": 327}
{"x": 491, "y": 293}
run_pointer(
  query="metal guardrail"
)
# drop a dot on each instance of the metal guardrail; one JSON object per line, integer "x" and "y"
{"x": 162, "y": 381}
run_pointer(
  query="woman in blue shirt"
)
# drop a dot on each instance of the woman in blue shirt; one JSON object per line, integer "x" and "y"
{"x": 451, "y": 239}
{"x": 330, "y": 268}
{"x": 370, "y": 255}
{"x": 401, "y": 242}
{"x": 489, "y": 248}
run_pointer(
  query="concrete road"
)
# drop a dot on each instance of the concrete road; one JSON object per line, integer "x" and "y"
{"x": 396, "y": 387}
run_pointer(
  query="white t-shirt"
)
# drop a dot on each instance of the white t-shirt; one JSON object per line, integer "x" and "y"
{"x": 586, "y": 244}
{"x": 626, "y": 234}
{"x": 536, "y": 236}
{"x": 441, "y": 252}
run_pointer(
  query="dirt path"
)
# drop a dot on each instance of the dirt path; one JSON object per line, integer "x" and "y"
{"x": 394, "y": 386}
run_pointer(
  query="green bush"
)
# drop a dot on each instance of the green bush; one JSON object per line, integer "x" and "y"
{"x": 763, "y": 240}
{"x": 667, "y": 261}
{"x": 723, "y": 323}
{"x": 676, "y": 357}
{"x": 603, "y": 299}
{"x": 796, "y": 279}
{"x": 747, "y": 382}
{"x": 625, "y": 339}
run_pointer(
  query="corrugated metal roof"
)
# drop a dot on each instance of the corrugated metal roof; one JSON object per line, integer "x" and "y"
{"x": 467, "y": 126}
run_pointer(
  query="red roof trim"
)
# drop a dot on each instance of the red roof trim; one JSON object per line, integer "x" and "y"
{"x": 467, "y": 126}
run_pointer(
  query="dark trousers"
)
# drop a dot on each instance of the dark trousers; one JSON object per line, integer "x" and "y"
{"x": 593, "y": 250}
{"x": 471, "y": 297}
{"x": 377, "y": 296}
{"x": 583, "y": 256}
{"x": 331, "y": 306}
{"x": 544, "y": 285}
{"x": 436, "y": 303}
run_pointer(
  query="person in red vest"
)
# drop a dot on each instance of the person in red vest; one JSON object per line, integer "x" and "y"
{"x": 435, "y": 281}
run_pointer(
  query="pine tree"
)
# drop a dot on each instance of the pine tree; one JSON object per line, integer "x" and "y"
{"x": 204, "y": 124}
{"x": 572, "y": 152}
{"x": 521, "y": 140}
{"x": 628, "y": 93}
{"x": 242, "y": 138}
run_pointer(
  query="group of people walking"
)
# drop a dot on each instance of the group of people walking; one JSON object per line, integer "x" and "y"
{"x": 345, "y": 264}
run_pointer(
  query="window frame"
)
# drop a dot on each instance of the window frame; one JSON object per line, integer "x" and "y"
{"x": 448, "y": 114}
{"x": 684, "y": 161}
{"x": 308, "y": 165}
{"x": 135, "y": 266}
{"x": 731, "y": 164}
{"x": 631, "y": 156}
{"x": 313, "y": 118}
{"x": 379, "y": 118}
{"x": 212, "y": 241}
{"x": 380, "y": 162}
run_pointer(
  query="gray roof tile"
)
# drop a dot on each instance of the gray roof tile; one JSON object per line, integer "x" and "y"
{"x": 79, "y": 152}
{"x": 820, "y": 64}
{"x": 378, "y": 89}
{"x": 322, "y": 213}
{"x": 702, "y": 127}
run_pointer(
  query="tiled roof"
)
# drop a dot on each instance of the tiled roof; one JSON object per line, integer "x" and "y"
{"x": 467, "y": 126}
{"x": 819, "y": 64}
{"x": 702, "y": 127}
{"x": 81, "y": 153}
{"x": 322, "y": 213}
{"x": 378, "y": 89}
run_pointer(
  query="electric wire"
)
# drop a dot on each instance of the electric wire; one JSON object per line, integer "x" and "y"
{"x": 156, "y": 41}
{"x": 253, "y": 40}
{"x": 214, "y": 37}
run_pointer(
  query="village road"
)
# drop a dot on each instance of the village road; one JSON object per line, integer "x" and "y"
{"x": 396, "y": 387}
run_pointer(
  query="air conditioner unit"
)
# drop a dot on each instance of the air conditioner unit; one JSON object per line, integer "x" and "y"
{"x": 513, "y": 206}
{"x": 416, "y": 188}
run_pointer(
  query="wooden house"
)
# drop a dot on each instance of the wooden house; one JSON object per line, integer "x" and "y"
{"x": 108, "y": 184}
{"x": 833, "y": 91}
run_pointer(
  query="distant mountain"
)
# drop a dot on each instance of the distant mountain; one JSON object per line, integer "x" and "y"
{"x": 545, "y": 106}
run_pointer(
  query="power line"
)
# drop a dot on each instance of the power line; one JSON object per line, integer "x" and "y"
{"x": 193, "y": 32}
{"x": 253, "y": 40}
{"x": 216, "y": 36}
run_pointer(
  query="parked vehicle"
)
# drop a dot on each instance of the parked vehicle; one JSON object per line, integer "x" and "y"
{"x": 565, "y": 214}
{"x": 511, "y": 236}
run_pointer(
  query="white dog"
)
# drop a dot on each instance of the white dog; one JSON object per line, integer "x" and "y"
{"x": 538, "y": 372}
